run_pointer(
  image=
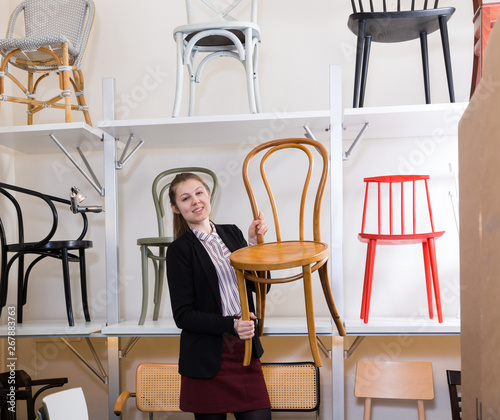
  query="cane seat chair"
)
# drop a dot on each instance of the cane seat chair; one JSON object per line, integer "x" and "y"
{"x": 24, "y": 390}
{"x": 307, "y": 256}
{"x": 377, "y": 379}
{"x": 161, "y": 185}
{"x": 54, "y": 42}
{"x": 394, "y": 26}
{"x": 66, "y": 251}
{"x": 158, "y": 387}
{"x": 397, "y": 203}
{"x": 219, "y": 34}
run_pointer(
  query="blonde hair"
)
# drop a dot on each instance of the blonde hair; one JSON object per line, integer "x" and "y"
{"x": 179, "y": 223}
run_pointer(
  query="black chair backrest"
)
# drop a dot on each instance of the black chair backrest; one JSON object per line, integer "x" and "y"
{"x": 384, "y": 5}
{"x": 454, "y": 381}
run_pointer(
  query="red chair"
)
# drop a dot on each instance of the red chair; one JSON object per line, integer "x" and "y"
{"x": 485, "y": 16}
{"x": 402, "y": 209}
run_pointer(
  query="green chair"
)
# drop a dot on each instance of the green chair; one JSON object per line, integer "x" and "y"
{"x": 160, "y": 189}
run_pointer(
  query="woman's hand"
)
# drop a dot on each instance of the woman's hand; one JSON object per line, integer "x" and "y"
{"x": 257, "y": 227}
{"x": 245, "y": 329}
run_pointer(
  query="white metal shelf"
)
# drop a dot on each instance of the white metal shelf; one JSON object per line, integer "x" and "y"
{"x": 402, "y": 325}
{"x": 221, "y": 130}
{"x": 54, "y": 328}
{"x": 403, "y": 121}
{"x": 35, "y": 139}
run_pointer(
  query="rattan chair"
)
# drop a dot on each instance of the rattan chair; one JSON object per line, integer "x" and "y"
{"x": 218, "y": 34}
{"x": 158, "y": 387}
{"x": 160, "y": 189}
{"x": 293, "y": 386}
{"x": 56, "y": 34}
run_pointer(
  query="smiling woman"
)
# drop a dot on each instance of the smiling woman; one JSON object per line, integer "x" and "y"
{"x": 206, "y": 306}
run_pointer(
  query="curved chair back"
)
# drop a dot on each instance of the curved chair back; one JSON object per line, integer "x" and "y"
{"x": 64, "y": 405}
{"x": 307, "y": 147}
{"x": 161, "y": 185}
{"x": 219, "y": 11}
{"x": 45, "y": 19}
{"x": 396, "y": 6}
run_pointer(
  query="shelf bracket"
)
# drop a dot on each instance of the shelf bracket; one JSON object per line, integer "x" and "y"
{"x": 357, "y": 341}
{"x": 355, "y": 142}
{"x": 322, "y": 347}
{"x": 131, "y": 343}
{"x": 124, "y": 158}
{"x": 92, "y": 179}
{"x": 99, "y": 372}
{"x": 309, "y": 133}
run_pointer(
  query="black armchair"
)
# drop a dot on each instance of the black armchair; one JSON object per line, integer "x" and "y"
{"x": 46, "y": 247}
{"x": 23, "y": 391}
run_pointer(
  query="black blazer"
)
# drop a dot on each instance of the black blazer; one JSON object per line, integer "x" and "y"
{"x": 196, "y": 303}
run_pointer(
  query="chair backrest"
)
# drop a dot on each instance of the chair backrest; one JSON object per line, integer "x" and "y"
{"x": 392, "y": 6}
{"x": 454, "y": 384}
{"x": 68, "y": 404}
{"x": 292, "y": 386}
{"x": 394, "y": 380}
{"x": 219, "y": 10}
{"x": 401, "y": 205}
{"x": 161, "y": 185}
{"x": 72, "y": 19}
{"x": 157, "y": 387}
{"x": 288, "y": 169}
{"x": 21, "y": 382}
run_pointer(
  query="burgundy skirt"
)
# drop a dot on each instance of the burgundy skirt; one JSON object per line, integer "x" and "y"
{"x": 234, "y": 389}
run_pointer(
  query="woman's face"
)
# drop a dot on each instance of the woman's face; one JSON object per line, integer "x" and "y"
{"x": 192, "y": 202}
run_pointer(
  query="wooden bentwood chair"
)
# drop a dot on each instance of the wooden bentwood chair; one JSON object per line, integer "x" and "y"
{"x": 401, "y": 207}
{"x": 161, "y": 185}
{"x": 55, "y": 38}
{"x": 308, "y": 255}
{"x": 394, "y": 380}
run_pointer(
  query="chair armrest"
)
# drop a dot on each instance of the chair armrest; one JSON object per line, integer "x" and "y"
{"x": 47, "y": 384}
{"x": 120, "y": 402}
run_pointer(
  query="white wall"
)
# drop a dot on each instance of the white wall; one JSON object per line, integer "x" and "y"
{"x": 133, "y": 43}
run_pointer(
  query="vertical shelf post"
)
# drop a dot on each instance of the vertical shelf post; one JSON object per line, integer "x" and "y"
{"x": 336, "y": 212}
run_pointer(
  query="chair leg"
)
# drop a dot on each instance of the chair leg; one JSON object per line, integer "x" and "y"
{"x": 145, "y": 285}
{"x": 425, "y": 66}
{"x": 78, "y": 76}
{"x": 83, "y": 285}
{"x": 421, "y": 410}
{"x": 437, "y": 294}
{"x": 261, "y": 289}
{"x": 327, "y": 292}
{"x": 368, "y": 408}
{"x": 66, "y": 84}
{"x": 256, "y": 87}
{"x": 159, "y": 281}
{"x": 359, "y": 55}
{"x": 364, "y": 72}
{"x": 67, "y": 287}
{"x": 30, "y": 90}
{"x": 367, "y": 287}
{"x": 428, "y": 277}
{"x": 20, "y": 289}
{"x": 249, "y": 70}
{"x": 311, "y": 328}
{"x": 245, "y": 313}
{"x": 447, "y": 56}
{"x": 180, "y": 75}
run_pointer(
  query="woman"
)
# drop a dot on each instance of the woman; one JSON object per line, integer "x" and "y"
{"x": 206, "y": 306}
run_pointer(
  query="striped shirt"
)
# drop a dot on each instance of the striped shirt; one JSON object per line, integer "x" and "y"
{"x": 228, "y": 286}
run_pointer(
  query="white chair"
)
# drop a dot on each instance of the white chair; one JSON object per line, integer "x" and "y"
{"x": 54, "y": 42}
{"x": 220, "y": 35}
{"x": 64, "y": 405}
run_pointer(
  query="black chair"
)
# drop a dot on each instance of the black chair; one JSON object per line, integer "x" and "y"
{"x": 398, "y": 26}
{"x": 23, "y": 391}
{"x": 46, "y": 247}
{"x": 454, "y": 382}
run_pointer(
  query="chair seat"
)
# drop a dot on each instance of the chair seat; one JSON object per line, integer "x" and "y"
{"x": 52, "y": 245}
{"x": 404, "y": 26}
{"x": 229, "y": 26}
{"x": 156, "y": 241}
{"x": 32, "y": 44}
{"x": 399, "y": 239}
{"x": 279, "y": 255}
